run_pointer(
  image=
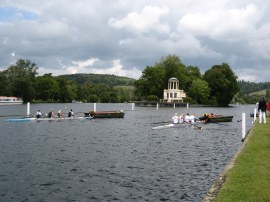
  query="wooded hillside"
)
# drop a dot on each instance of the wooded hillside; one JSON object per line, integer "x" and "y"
{"x": 107, "y": 79}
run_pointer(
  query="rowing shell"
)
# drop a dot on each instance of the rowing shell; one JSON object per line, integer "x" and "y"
{"x": 26, "y": 119}
{"x": 172, "y": 126}
{"x": 164, "y": 126}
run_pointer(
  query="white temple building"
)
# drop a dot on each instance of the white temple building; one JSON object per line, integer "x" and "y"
{"x": 173, "y": 93}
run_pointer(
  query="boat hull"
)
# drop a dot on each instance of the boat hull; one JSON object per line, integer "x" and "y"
{"x": 216, "y": 119}
{"x": 26, "y": 119}
{"x": 105, "y": 114}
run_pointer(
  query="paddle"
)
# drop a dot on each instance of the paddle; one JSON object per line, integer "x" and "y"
{"x": 162, "y": 122}
{"x": 199, "y": 127}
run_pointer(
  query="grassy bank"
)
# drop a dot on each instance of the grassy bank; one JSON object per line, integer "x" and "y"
{"x": 249, "y": 179}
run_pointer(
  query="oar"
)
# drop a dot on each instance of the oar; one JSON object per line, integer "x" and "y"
{"x": 199, "y": 127}
{"x": 162, "y": 122}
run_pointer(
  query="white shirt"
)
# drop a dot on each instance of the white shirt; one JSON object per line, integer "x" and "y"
{"x": 175, "y": 119}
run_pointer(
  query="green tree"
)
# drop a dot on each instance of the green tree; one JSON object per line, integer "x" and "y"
{"x": 67, "y": 89}
{"x": 151, "y": 82}
{"x": 47, "y": 88}
{"x": 222, "y": 82}
{"x": 22, "y": 79}
{"x": 199, "y": 91}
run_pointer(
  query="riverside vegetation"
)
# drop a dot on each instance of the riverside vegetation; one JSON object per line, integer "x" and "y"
{"x": 248, "y": 180}
{"x": 217, "y": 86}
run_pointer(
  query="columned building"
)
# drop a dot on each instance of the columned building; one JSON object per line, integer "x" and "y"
{"x": 173, "y": 93}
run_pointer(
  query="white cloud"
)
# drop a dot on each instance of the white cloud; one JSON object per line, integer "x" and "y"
{"x": 136, "y": 34}
{"x": 117, "y": 69}
{"x": 144, "y": 21}
{"x": 222, "y": 24}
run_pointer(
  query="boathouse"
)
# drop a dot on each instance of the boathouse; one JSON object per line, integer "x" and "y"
{"x": 173, "y": 93}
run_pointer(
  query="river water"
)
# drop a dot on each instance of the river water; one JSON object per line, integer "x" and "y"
{"x": 114, "y": 159}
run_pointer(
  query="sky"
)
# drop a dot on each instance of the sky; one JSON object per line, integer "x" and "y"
{"x": 123, "y": 37}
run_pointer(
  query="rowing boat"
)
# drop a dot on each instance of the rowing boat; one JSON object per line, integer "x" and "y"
{"x": 216, "y": 118}
{"x": 164, "y": 126}
{"x": 105, "y": 114}
{"x": 26, "y": 119}
{"x": 174, "y": 125}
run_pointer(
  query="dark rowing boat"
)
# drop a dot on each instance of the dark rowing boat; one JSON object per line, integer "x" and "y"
{"x": 105, "y": 114}
{"x": 216, "y": 119}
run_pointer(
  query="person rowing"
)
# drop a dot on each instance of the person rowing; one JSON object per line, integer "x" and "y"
{"x": 175, "y": 119}
{"x": 51, "y": 114}
{"x": 38, "y": 114}
{"x": 70, "y": 113}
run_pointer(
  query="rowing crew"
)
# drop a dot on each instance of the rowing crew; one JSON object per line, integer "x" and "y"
{"x": 51, "y": 114}
{"x": 181, "y": 118}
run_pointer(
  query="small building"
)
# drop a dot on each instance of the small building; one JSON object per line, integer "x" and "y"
{"x": 173, "y": 93}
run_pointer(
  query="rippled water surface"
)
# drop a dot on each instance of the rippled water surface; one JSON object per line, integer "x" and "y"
{"x": 114, "y": 159}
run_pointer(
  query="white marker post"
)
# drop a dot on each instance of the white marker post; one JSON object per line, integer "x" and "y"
{"x": 157, "y": 105}
{"x": 243, "y": 126}
{"x": 132, "y": 106}
{"x": 95, "y": 107}
{"x": 174, "y": 105}
{"x": 255, "y": 115}
{"x": 187, "y": 105}
{"x": 28, "y": 109}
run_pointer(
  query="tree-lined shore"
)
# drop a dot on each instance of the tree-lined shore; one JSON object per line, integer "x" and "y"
{"x": 217, "y": 86}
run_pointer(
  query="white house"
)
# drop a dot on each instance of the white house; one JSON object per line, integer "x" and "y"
{"x": 173, "y": 93}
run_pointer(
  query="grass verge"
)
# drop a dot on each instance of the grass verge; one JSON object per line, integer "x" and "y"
{"x": 249, "y": 179}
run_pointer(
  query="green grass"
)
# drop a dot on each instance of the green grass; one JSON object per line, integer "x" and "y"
{"x": 249, "y": 179}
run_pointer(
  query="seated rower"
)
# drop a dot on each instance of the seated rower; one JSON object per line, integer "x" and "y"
{"x": 38, "y": 114}
{"x": 51, "y": 114}
{"x": 70, "y": 113}
{"x": 175, "y": 119}
{"x": 60, "y": 114}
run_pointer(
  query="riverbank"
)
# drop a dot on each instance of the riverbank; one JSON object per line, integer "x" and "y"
{"x": 246, "y": 178}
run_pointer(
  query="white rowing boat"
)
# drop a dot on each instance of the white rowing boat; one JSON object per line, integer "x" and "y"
{"x": 175, "y": 125}
{"x": 164, "y": 126}
{"x": 26, "y": 119}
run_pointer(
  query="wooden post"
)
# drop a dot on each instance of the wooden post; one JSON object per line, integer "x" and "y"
{"x": 243, "y": 126}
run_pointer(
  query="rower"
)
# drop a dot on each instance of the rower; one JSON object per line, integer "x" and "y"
{"x": 38, "y": 114}
{"x": 60, "y": 114}
{"x": 175, "y": 119}
{"x": 51, "y": 114}
{"x": 70, "y": 113}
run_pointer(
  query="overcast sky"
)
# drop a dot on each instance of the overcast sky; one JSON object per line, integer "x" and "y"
{"x": 122, "y": 37}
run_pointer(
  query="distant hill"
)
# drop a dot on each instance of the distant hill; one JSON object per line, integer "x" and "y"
{"x": 252, "y": 87}
{"x": 107, "y": 79}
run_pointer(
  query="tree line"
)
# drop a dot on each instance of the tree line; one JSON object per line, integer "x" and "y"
{"x": 217, "y": 86}
{"x": 22, "y": 80}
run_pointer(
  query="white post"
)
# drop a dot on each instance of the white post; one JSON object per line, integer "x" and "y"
{"x": 95, "y": 107}
{"x": 157, "y": 105}
{"x": 174, "y": 105}
{"x": 28, "y": 108}
{"x": 243, "y": 126}
{"x": 255, "y": 114}
{"x": 132, "y": 106}
{"x": 187, "y": 105}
